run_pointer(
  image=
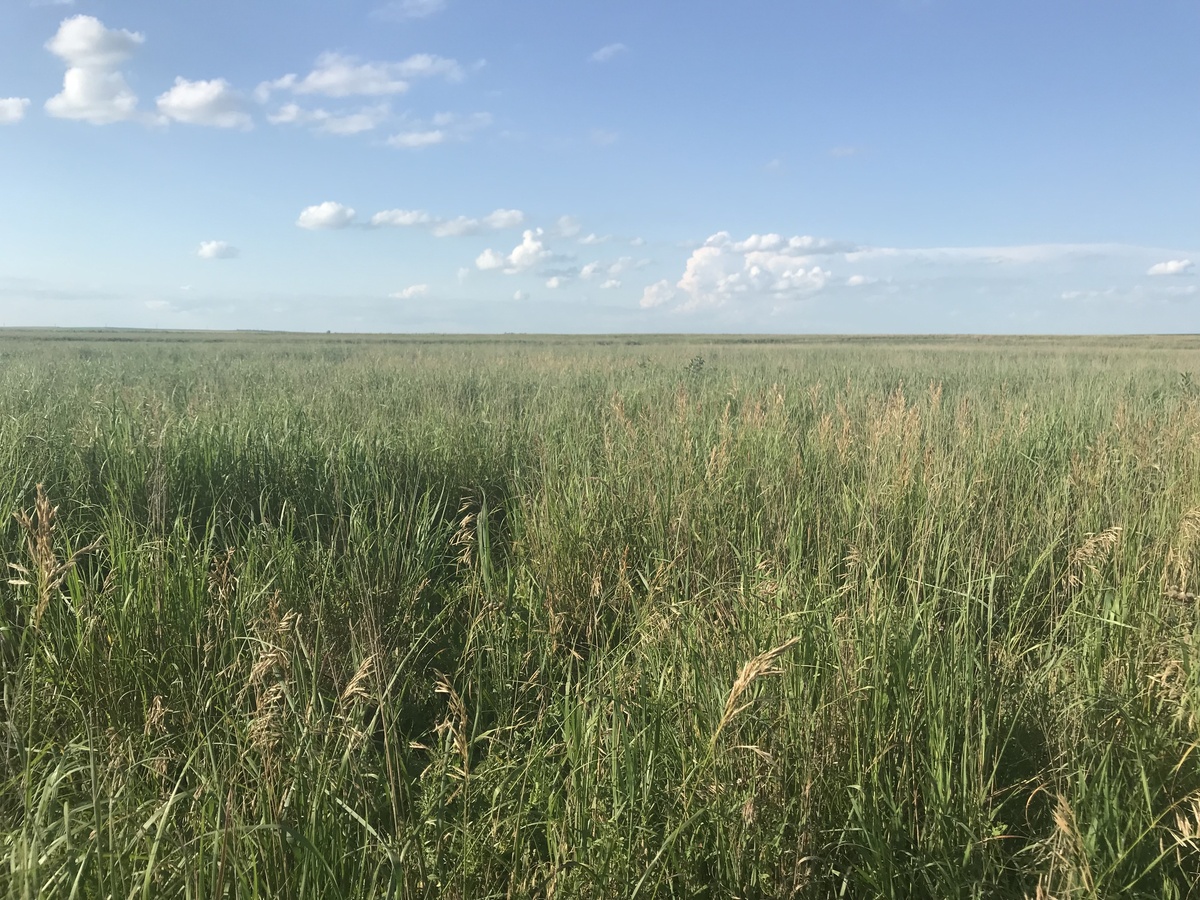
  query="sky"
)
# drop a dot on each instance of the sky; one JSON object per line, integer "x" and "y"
{"x": 801, "y": 166}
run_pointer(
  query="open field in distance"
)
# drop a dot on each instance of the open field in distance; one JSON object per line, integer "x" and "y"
{"x": 367, "y": 616}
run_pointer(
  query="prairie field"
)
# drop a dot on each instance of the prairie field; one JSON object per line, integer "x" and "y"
{"x": 327, "y": 616}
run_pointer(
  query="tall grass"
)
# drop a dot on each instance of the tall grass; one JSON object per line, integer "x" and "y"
{"x": 324, "y": 617}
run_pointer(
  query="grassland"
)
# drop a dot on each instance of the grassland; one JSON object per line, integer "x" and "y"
{"x": 324, "y": 616}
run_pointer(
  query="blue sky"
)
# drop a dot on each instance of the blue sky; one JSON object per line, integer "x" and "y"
{"x": 455, "y": 165}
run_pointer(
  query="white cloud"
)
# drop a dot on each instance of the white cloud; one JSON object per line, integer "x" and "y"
{"x": 367, "y": 118}
{"x": 84, "y": 42}
{"x": 593, "y": 239}
{"x": 459, "y": 226}
{"x": 401, "y": 218}
{"x": 337, "y": 75}
{"x": 524, "y": 256}
{"x": 1171, "y": 267}
{"x": 411, "y": 9}
{"x": 490, "y": 259}
{"x": 12, "y": 110}
{"x": 411, "y": 292}
{"x": 529, "y": 252}
{"x": 325, "y": 215}
{"x": 521, "y": 295}
{"x": 610, "y": 284}
{"x": 410, "y": 140}
{"x": 212, "y": 103}
{"x": 497, "y": 220}
{"x": 637, "y": 242}
{"x": 609, "y": 51}
{"x": 1020, "y": 254}
{"x": 504, "y": 218}
{"x": 95, "y": 96}
{"x": 217, "y": 250}
{"x": 859, "y": 280}
{"x": 762, "y": 266}
{"x": 442, "y": 128}
{"x": 555, "y": 282}
{"x": 93, "y": 89}
{"x": 658, "y": 294}
{"x": 567, "y": 226}
{"x": 617, "y": 267}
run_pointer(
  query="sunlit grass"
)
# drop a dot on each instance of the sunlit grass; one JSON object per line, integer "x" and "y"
{"x": 330, "y": 617}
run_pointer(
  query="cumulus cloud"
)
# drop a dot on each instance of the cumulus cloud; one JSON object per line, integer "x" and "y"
{"x": 327, "y": 215}
{"x": 94, "y": 90}
{"x": 442, "y": 128}
{"x": 593, "y": 239}
{"x": 529, "y": 252}
{"x": 609, "y": 51}
{"x": 411, "y": 292}
{"x": 761, "y": 266}
{"x": 1171, "y": 267}
{"x": 555, "y": 282}
{"x": 410, "y": 9}
{"x": 490, "y": 259}
{"x": 217, "y": 250}
{"x": 84, "y": 41}
{"x": 214, "y": 103}
{"x": 859, "y": 280}
{"x": 338, "y": 75}
{"x": 524, "y": 256}
{"x": 610, "y": 284}
{"x": 658, "y": 294}
{"x": 367, "y": 118}
{"x": 521, "y": 295}
{"x": 12, "y": 110}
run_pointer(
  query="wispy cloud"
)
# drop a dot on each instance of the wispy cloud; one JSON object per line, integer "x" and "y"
{"x": 339, "y": 75}
{"x": 458, "y": 226}
{"x": 609, "y": 52}
{"x": 412, "y": 292}
{"x": 443, "y": 128}
{"x": 410, "y": 9}
{"x": 366, "y": 118}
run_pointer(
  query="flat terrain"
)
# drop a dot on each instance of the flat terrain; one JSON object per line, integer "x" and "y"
{"x": 322, "y": 616}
